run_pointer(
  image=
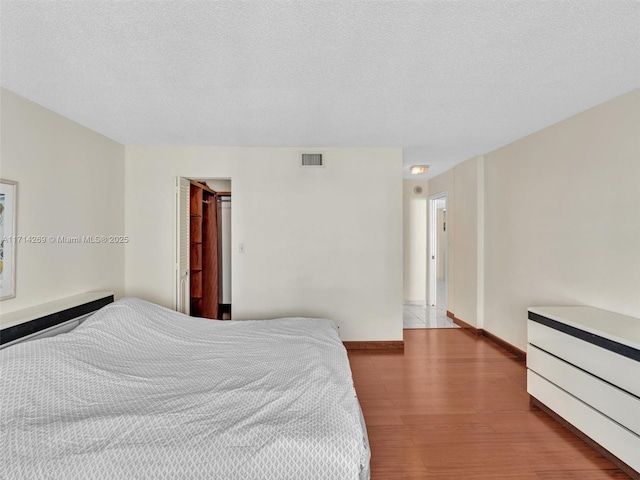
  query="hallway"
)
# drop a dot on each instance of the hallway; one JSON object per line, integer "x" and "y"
{"x": 421, "y": 315}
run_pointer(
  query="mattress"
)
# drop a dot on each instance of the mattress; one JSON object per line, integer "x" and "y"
{"x": 140, "y": 391}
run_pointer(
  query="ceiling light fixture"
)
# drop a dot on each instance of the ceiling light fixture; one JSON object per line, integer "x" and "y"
{"x": 418, "y": 169}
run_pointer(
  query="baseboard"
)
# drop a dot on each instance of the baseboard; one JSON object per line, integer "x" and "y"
{"x": 466, "y": 326}
{"x": 520, "y": 354}
{"x": 538, "y": 405}
{"x": 375, "y": 345}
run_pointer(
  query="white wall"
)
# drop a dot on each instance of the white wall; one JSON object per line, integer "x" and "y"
{"x": 464, "y": 242}
{"x": 463, "y": 184}
{"x": 319, "y": 241}
{"x": 414, "y": 208}
{"x": 563, "y": 218}
{"x": 551, "y": 219}
{"x": 70, "y": 182}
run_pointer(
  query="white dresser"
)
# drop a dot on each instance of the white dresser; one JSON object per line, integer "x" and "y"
{"x": 583, "y": 364}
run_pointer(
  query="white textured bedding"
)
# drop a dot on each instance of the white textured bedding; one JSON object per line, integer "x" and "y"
{"x": 140, "y": 391}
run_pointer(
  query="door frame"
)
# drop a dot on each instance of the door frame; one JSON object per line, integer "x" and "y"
{"x": 181, "y": 272}
{"x": 432, "y": 294}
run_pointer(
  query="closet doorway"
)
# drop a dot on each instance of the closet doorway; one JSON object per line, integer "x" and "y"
{"x": 203, "y": 247}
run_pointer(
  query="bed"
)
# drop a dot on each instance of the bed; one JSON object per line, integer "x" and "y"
{"x": 140, "y": 391}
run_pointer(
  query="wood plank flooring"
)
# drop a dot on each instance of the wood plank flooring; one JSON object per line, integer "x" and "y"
{"x": 455, "y": 406}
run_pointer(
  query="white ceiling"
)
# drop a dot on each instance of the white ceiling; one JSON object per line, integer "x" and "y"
{"x": 444, "y": 80}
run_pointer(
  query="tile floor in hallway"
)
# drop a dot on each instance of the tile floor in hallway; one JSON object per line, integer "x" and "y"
{"x": 419, "y": 314}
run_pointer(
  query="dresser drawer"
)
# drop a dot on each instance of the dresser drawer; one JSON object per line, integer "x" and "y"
{"x": 616, "y": 369}
{"x": 616, "y": 404}
{"x": 622, "y": 442}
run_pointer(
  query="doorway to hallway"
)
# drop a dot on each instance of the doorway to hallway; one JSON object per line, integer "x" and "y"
{"x": 433, "y": 312}
{"x": 438, "y": 258}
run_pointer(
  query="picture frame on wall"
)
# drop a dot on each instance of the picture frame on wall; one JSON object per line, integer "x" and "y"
{"x": 8, "y": 201}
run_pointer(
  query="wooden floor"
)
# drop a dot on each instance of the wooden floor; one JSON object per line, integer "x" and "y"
{"x": 455, "y": 406}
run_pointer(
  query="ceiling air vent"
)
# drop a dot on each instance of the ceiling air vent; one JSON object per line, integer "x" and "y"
{"x": 311, "y": 160}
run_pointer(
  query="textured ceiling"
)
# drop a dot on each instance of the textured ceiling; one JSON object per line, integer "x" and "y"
{"x": 444, "y": 80}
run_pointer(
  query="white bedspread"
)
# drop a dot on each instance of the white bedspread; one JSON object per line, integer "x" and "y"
{"x": 139, "y": 391}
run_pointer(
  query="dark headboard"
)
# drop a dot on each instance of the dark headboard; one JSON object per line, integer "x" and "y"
{"x": 50, "y": 318}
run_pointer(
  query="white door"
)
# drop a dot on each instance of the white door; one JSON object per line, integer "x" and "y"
{"x": 182, "y": 294}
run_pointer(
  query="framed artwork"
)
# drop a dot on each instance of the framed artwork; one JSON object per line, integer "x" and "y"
{"x": 8, "y": 199}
